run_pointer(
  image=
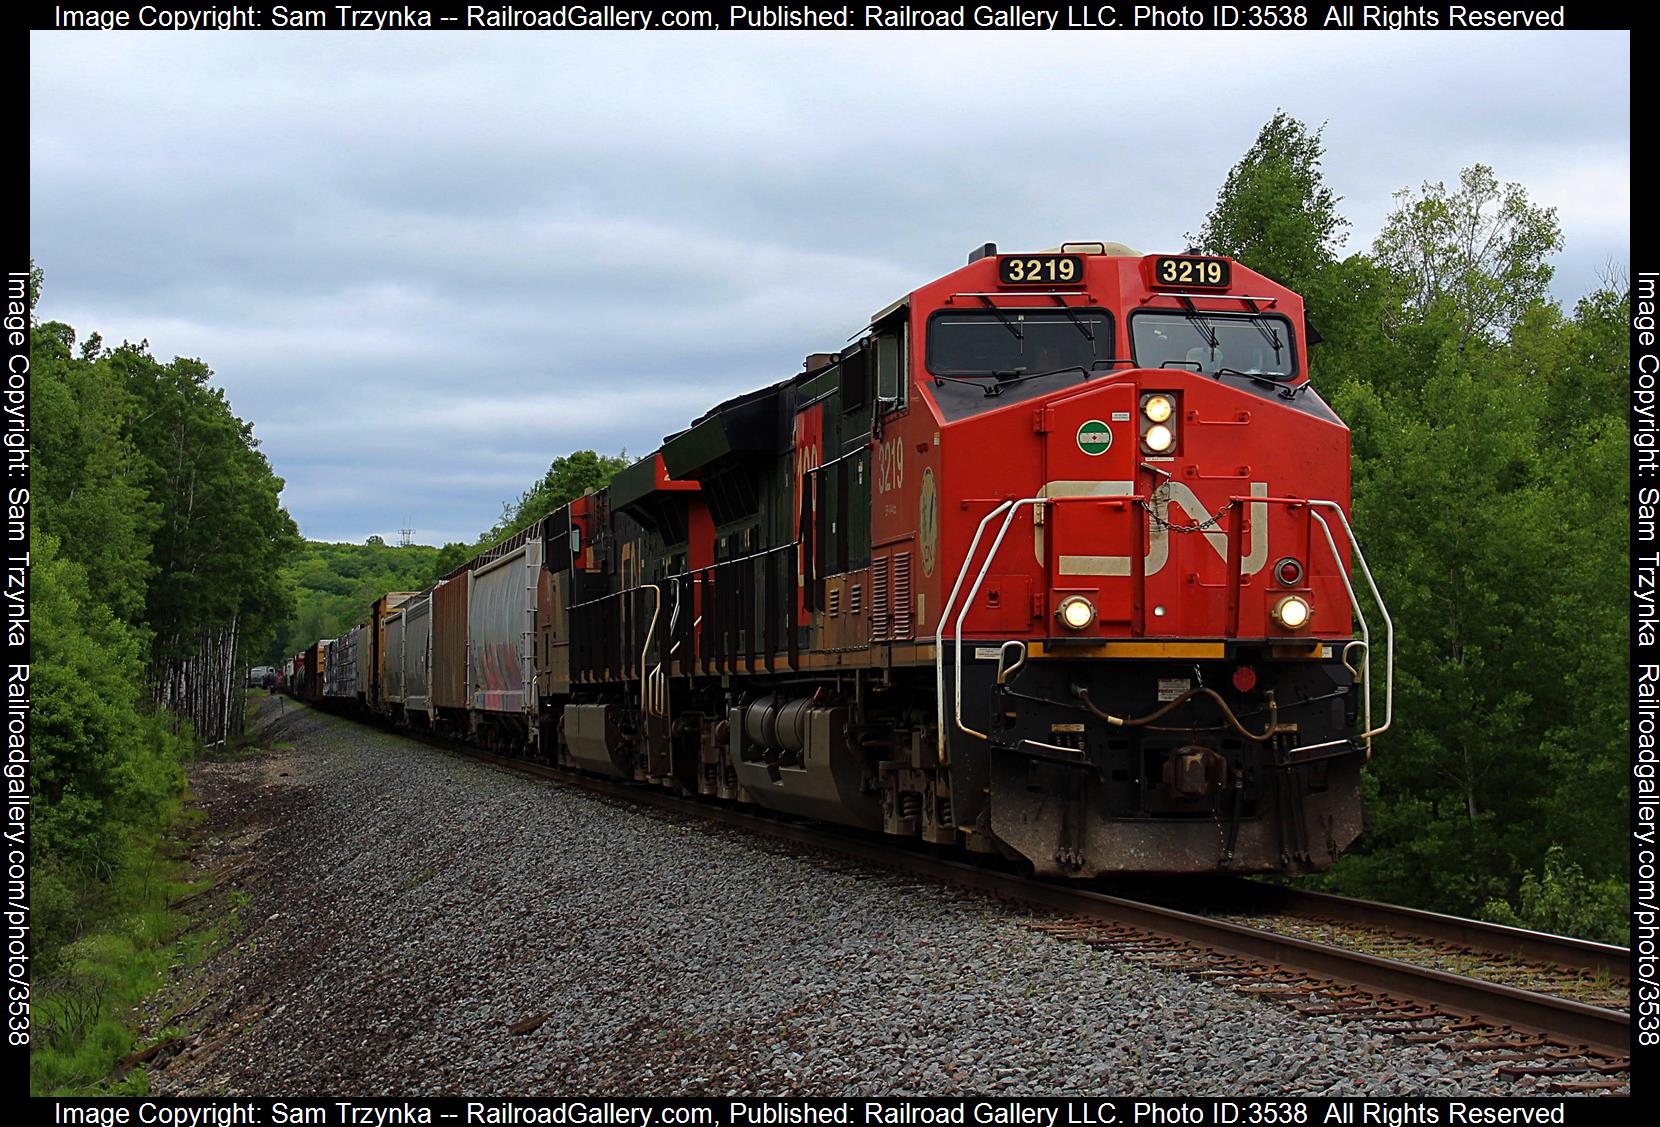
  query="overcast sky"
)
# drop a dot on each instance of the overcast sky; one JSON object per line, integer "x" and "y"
{"x": 425, "y": 264}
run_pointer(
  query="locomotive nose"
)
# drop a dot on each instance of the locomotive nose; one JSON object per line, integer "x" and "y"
{"x": 1093, "y": 447}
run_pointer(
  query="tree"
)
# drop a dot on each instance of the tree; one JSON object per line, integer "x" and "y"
{"x": 220, "y": 535}
{"x": 1489, "y": 489}
{"x": 1561, "y": 900}
{"x": 1274, "y": 212}
{"x": 1450, "y": 504}
{"x": 333, "y": 586}
{"x": 450, "y": 557}
{"x": 85, "y": 490}
{"x": 158, "y": 496}
{"x": 568, "y": 477}
{"x": 1477, "y": 252}
{"x": 98, "y": 765}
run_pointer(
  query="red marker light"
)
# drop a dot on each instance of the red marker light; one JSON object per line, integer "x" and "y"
{"x": 1244, "y": 678}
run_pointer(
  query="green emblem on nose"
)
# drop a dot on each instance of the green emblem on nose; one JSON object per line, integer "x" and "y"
{"x": 1094, "y": 437}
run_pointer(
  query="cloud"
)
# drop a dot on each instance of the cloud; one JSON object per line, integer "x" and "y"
{"x": 425, "y": 265}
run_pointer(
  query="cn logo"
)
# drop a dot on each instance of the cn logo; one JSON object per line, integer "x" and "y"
{"x": 1172, "y": 498}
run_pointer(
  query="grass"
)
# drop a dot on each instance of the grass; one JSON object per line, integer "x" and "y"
{"x": 129, "y": 941}
{"x": 124, "y": 931}
{"x": 418, "y": 879}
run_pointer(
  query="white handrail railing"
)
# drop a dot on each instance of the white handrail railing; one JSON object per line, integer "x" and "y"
{"x": 1363, "y": 670}
{"x": 1008, "y": 509}
{"x": 939, "y": 635}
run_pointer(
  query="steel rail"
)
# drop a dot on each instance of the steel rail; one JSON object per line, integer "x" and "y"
{"x": 1534, "y": 946}
{"x": 1575, "y": 1023}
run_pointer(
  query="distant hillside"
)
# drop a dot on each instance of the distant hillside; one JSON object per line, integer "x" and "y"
{"x": 335, "y": 584}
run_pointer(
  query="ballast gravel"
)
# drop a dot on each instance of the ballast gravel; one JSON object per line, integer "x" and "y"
{"x": 406, "y": 921}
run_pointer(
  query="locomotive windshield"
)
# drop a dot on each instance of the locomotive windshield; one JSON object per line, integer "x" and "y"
{"x": 986, "y": 358}
{"x": 1213, "y": 342}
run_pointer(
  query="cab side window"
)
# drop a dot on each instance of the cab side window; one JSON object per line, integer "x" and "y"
{"x": 890, "y": 370}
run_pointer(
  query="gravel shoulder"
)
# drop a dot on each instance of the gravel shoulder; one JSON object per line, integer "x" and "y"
{"x": 398, "y": 920}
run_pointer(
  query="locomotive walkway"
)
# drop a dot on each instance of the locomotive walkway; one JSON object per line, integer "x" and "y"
{"x": 399, "y": 919}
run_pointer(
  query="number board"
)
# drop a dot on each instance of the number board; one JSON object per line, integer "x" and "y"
{"x": 1211, "y": 273}
{"x": 1040, "y": 270}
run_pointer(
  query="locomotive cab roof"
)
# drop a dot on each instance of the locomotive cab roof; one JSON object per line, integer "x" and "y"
{"x": 1095, "y": 247}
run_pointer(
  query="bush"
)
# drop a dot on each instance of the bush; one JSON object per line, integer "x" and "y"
{"x": 1562, "y": 900}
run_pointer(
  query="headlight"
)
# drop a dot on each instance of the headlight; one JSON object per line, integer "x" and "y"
{"x": 1158, "y": 408}
{"x": 1076, "y": 612}
{"x": 1293, "y": 612}
{"x": 1159, "y": 439}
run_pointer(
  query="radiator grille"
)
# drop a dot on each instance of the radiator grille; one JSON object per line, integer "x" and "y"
{"x": 901, "y": 597}
{"x": 881, "y": 621}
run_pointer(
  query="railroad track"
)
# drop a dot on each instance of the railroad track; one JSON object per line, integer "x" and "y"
{"x": 1577, "y": 969}
{"x": 1522, "y": 1032}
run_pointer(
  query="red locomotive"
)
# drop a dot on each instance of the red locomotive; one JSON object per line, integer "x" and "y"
{"x": 1052, "y": 562}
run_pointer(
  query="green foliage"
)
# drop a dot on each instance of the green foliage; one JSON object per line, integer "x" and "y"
{"x": 1489, "y": 489}
{"x": 1489, "y": 486}
{"x": 1493, "y": 524}
{"x": 569, "y": 477}
{"x": 83, "y": 484}
{"x": 109, "y": 943}
{"x": 334, "y": 585}
{"x": 1560, "y": 899}
{"x": 155, "y": 522}
{"x": 157, "y": 490}
{"x": 450, "y": 557}
{"x": 1479, "y": 249}
{"x": 1275, "y": 213}
{"x": 102, "y": 761}
{"x": 221, "y": 535}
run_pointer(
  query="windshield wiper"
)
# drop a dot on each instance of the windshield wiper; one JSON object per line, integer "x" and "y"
{"x": 1201, "y": 326}
{"x": 973, "y": 381}
{"x": 1263, "y": 379}
{"x": 1268, "y": 332}
{"x": 1002, "y": 378}
{"x": 996, "y": 389}
{"x": 1077, "y": 321}
{"x": 1006, "y": 377}
{"x": 1003, "y": 320}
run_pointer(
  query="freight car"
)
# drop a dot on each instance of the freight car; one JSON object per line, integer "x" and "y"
{"x": 304, "y": 674}
{"x": 1052, "y": 561}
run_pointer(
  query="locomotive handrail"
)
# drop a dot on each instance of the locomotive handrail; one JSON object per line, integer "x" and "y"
{"x": 1078, "y": 291}
{"x": 1366, "y": 634}
{"x": 957, "y": 656}
{"x": 1363, "y": 668}
{"x": 1008, "y": 509}
{"x": 939, "y": 635}
{"x": 648, "y": 675}
{"x": 696, "y": 653}
{"x": 1217, "y": 295}
{"x": 688, "y": 573}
